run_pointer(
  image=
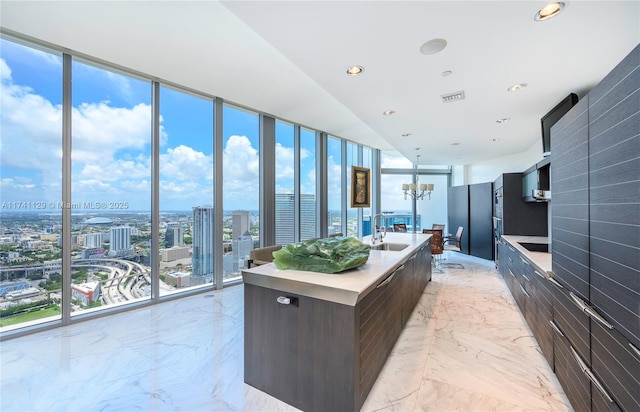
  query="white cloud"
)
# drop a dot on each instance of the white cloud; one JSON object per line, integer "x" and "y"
{"x": 99, "y": 130}
{"x": 240, "y": 174}
{"x": 284, "y": 163}
{"x": 31, "y": 127}
{"x": 334, "y": 184}
{"x": 186, "y": 164}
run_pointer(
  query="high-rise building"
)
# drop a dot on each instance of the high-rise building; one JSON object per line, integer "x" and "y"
{"x": 285, "y": 217}
{"x": 308, "y": 216}
{"x": 120, "y": 241}
{"x": 203, "y": 236}
{"x": 240, "y": 224}
{"x": 93, "y": 240}
{"x": 174, "y": 236}
{"x": 242, "y": 246}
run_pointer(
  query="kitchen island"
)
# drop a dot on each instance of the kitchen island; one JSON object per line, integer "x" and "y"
{"x": 318, "y": 341}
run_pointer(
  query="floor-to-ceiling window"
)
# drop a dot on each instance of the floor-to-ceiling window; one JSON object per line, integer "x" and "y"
{"x": 394, "y": 204}
{"x": 308, "y": 196}
{"x": 367, "y": 162}
{"x": 352, "y": 212}
{"x": 334, "y": 184}
{"x": 285, "y": 184}
{"x": 398, "y": 207}
{"x": 433, "y": 208}
{"x": 241, "y": 187}
{"x": 31, "y": 185}
{"x": 186, "y": 224}
{"x": 110, "y": 187}
{"x": 122, "y": 188}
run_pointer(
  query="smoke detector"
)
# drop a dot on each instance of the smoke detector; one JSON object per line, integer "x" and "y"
{"x": 452, "y": 97}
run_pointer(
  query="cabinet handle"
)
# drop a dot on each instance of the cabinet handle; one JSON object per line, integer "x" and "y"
{"x": 539, "y": 274}
{"x": 595, "y": 315}
{"x": 387, "y": 280}
{"x": 512, "y": 249}
{"x": 585, "y": 369}
{"x": 525, "y": 276}
{"x": 524, "y": 261}
{"x": 635, "y": 349}
{"x": 509, "y": 257}
{"x": 413, "y": 257}
{"x": 284, "y": 300}
{"x": 511, "y": 273}
{"x": 591, "y": 312}
{"x": 579, "y": 302}
{"x": 555, "y": 282}
{"x": 556, "y": 328}
{"x": 524, "y": 291}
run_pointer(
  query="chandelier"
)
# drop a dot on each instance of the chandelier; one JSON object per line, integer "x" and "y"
{"x": 417, "y": 190}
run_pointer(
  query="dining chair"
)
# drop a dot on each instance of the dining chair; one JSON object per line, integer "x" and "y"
{"x": 399, "y": 227}
{"x": 262, "y": 255}
{"x": 455, "y": 247}
{"x": 436, "y": 248}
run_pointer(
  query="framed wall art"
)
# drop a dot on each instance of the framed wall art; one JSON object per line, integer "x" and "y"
{"x": 360, "y": 187}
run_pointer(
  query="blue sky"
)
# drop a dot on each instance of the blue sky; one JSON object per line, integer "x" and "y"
{"x": 111, "y": 145}
{"x": 111, "y": 139}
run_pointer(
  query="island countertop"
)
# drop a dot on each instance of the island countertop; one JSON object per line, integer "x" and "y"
{"x": 347, "y": 287}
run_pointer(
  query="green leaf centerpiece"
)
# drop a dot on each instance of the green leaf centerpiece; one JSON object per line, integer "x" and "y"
{"x": 330, "y": 255}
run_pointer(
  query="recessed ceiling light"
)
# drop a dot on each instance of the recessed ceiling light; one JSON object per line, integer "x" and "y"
{"x": 549, "y": 11}
{"x": 388, "y": 112}
{"x": 495, "y": 139}
{"x": 517, "y": 86}
{"x": 447, "y": 73}
{"x": 503, "y": 120}
{"x": 433, "y": 46}
{"x": 355, "y": 70}
{"x": 455, "y": 144}
{"x": 406, "y": 134}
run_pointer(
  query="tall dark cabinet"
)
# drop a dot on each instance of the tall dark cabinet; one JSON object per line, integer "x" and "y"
{"x": 470, "y": 206}
{"x": 595, "y": 184}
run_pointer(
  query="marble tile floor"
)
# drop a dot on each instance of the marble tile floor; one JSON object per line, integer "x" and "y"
{"x": 465, "y": 348}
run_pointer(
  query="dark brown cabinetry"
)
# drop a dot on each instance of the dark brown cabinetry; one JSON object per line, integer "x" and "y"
{"x": 530, "y": 289}
{"x": 592, "y": 304}
{"x": 470, "y": 206}
{"x": 318, "y": 355}
{"x": 595, "y": 181}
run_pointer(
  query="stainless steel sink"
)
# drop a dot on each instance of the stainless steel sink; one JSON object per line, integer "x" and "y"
{"x": 390, "y": 247}
{"x": 535, "y": 247}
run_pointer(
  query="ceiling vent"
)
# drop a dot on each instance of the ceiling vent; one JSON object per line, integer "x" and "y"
{"x": 452, "y": 97}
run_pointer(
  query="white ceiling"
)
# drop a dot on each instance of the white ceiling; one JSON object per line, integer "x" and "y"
{"x": 288, "y": 59}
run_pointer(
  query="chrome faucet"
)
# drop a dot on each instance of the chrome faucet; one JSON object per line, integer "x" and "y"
{"x": 377, "y": 229}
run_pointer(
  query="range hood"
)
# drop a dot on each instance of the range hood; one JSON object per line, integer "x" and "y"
{"x": 535, "y": 182}
{"x": 541, "y": 195}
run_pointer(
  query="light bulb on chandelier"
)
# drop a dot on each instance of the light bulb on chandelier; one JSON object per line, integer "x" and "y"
{"x": 417, "y": 190}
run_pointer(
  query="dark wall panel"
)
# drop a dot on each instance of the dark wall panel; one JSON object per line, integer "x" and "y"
{"x": 458, "y": 209}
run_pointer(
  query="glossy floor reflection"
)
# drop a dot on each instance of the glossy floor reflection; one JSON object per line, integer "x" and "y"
{"x": 465, "y": 348}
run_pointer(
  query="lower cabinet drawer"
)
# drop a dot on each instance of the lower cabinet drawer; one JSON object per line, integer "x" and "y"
{"x": 573, "y": 322}
{"x": 616, "y": 363}
{"x": 576, "y": 385}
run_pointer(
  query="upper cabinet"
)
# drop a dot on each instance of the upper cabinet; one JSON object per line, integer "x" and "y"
{"x": 595, "y": 181}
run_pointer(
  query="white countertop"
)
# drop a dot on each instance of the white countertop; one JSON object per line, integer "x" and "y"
{"x": 347, "y": 287}
{"x": 541, "y": 259}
